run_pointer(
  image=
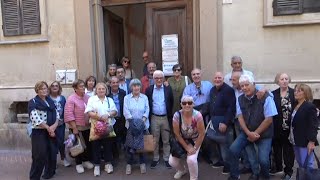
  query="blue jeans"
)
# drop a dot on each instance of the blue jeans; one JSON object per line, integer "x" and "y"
{"x": 243, "y": 154}
{"x": 263, "y": 147}
{"x": 224, "y": 148}
{"x": 301, "y": 155}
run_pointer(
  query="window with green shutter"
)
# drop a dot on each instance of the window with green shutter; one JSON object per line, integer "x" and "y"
{"x": 20, "y": 17}
{"x": 291, "y": 7}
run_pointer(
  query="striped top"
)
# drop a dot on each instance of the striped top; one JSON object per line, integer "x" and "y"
{"x": 74, "y": 110}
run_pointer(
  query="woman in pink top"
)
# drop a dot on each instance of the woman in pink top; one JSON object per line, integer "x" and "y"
{"x": 79, "y": 123}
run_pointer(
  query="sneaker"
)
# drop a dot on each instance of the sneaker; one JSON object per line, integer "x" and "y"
{"x": 253, "y": 177}
{"x": 66, "y": 163}
{"x": 179, "y": 174}
{"x": 79, "y": 168}
{"x": 245, "y": 170}
{"x": 233, "y": 178}
{"x": 108, "y": 168}
{"x": 143, "y": 168}
{"x": 168, "y": 165}
{"x": 128, "y": 169}
{"x": 225, "y": 170}
{"x": 87, "y": 164}
{"x": 96, "y": 171}
{"x": 274, "y": 172}
{"x": 286, "y": 177}
{"x": 154, "y": 164}
{"x": 217, "y": 165}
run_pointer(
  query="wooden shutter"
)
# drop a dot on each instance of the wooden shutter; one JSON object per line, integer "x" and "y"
{"x": 11, "y": 17}
{"x": 287, "y": 7}
{"x": 30, "y": 15}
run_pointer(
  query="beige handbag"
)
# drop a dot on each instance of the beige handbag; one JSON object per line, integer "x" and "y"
{"x": 79, "y": 147}
{"x": 149, "y": 143}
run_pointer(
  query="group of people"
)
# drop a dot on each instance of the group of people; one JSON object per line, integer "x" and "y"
{"x": 261, "y": 129}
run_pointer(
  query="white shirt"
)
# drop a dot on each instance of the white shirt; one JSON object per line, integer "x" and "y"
{"x": 101, "y": 107}
{"x": 227, "y": 77}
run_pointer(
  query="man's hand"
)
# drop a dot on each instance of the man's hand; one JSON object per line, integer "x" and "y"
{"x": 261, "y": 93}
{"x": 222, "y": 127}
{"x": 253, "y": 136}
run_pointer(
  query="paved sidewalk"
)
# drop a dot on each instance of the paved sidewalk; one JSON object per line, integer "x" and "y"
{"x": 15, "y": 165}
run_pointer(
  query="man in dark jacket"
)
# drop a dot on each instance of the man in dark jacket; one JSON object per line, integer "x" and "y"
{"x": 117, "y": 95}
{"x": 160, "y": 102}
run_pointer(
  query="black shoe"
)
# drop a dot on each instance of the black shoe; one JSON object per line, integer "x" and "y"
{"x": 233, "y": 178}
{"x": 225, "y": 170}
{"x": 154, "y": 164}
{"x": 274, "y": 172}
{"x": 253, "y": 177}
{"x": 47, "y": 176}
{"x": 217, "y": 165}
{"x": 167, "y": 165}
{"x": 208, "y": 161}
{"x": 245, "y": 170}
{"x": 286, "y": 177}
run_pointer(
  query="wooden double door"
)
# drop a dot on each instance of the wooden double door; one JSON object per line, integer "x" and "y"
{"x": 163, "y": 17}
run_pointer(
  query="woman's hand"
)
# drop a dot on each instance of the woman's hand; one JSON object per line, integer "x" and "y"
{"x": 191, "y": 150}
{"x": 104, "y": 117}
{"x": 310, "y": 147}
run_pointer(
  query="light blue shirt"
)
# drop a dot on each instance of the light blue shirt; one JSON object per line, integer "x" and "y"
{"x": 269, "y": 107}
{"x": 193, "y": 91}
{"x": 136, "y": 108}
{"x": 116, "y": 100}
{"x": 124, "y": 87}
{"x": 159, "y": 103}
{"x": 227, "y": 77}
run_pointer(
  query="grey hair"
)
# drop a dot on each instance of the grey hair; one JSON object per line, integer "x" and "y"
{"x": 246, "y": 78}
{"x": 186, "y": 97}
{"x": 134, "y": 82}
{"x": 235, "y": 57}
{"x": 158, "y": 72}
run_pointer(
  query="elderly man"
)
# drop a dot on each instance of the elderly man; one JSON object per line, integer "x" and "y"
{"x": 123, "y": 82}
{"x": 160, "y": 102}
{"x": 221, "y": 109}
{"x": 145, "y": 58}
{"x": 255, "y": 119}
{"x": 236, "y": 64}
{"x": 198, "y": 90}
{"x": 118, "y": 95}
{"x": 147, "y": 80}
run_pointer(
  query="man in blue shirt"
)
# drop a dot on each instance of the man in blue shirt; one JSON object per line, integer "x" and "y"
{"x": 160, "y": 102}
{"x": 255, "y": 118}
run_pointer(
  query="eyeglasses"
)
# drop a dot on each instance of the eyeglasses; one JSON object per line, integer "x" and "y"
{"x": 144, "y": 57}
{"x": 187, "y": 102}
{"x": 177, "y": 70}
{"x": 128, "y": 62}
{"x": 158, "y": 78}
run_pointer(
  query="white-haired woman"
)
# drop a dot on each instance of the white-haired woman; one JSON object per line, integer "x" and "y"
{"x": 136, "y": 113}
{"x": 190, "y": 136}
{"x": 101, "y": 108}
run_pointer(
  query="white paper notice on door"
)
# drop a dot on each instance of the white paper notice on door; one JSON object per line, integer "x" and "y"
{"x": 170, "y": 55}
{"x": 169, "y": 41}
{"x": 167, "y": 67}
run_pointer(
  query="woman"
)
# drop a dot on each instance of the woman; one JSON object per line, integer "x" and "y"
{"x": 79, "y": 123}
{"x": 136, "y": 113}
{"x": 177, "y": 83}
{"x": 190, "y": 136}
{"x": 126, "y": 65}
{"x": 44, "y": 121}
{"x": 285, "y": 102}
{"x": 102, "y": 108}
{"x": 90, "y": 84}
{"x": 304, "y": 125}
{"x": 60, "y": 101}
{"x": 111, "y": 72}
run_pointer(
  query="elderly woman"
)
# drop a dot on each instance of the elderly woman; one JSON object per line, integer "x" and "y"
{"x": 177, "y": 83}
{"x": 136, "y": 113}
{"x": 111, "y": 71}
{"x": 126, "y": 65}
{"x": 304, "y": 125}
{"x": 190, "y": 136}
{"x": 44, "y": 121}
{"x": 60, "y": 101}
{"x": 79, "y": 123}
{"x": 282, "y": 148}
{"x": 90, "y": 84}
{"x": 102, "y": 108}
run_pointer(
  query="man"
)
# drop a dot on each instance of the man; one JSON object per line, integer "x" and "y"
{"x": 199, "y": 90}
{"x": 147, "y": 80}
{"x": 236, "y": 64}
{"x": 222, "y": 108}
{"x": 160, "y": 102}
{"x": 123, "y": 82}
{"x": 255, "y": 119}
{"x": 145, "y": 58}
{"x": 118, "y": 95}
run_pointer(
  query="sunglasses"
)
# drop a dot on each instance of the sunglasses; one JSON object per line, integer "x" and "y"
{"x": 55, "y": 85}
{"x": 127, "y": 62}
{"x": 187, "y": 102}
{"x": 177, "y": 70}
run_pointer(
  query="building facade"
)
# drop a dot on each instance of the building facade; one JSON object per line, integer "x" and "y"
{"x": 86, "y": 35}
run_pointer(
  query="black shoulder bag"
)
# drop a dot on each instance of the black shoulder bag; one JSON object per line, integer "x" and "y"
{"x": 176, "y": 148}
